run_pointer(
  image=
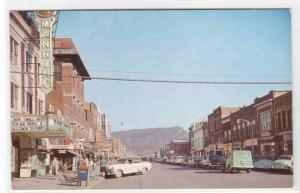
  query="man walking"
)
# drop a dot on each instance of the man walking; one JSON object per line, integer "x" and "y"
{"x": 102, "y": 166}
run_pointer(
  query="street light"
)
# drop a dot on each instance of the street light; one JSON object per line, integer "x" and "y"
{"x": 249, "y": 123}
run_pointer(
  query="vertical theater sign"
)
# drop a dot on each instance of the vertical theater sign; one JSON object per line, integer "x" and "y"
{"x": 46, "y": 21}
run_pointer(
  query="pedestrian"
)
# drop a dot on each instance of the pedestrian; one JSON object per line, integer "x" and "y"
{"x": 55, "y": 164}
{"x": 102, "y": 166}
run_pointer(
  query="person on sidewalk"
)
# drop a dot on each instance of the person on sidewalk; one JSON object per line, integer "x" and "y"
{"x": 102, "y": 166}
{"x": 55, "y": 164}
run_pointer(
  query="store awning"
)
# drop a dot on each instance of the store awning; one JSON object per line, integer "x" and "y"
{"x": 73, "y": 152}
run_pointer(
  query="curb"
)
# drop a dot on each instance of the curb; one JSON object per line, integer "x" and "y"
{"x": 94, "y": 183}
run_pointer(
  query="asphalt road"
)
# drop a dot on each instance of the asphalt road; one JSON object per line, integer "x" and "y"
{"x": 163, "y": 176}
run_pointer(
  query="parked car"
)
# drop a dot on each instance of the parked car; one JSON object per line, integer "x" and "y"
{"x": 205, "y": 162}
{"x": 128, "y": 166}
{"x": 215, "y": 161}
{"x": 179, "y": 160}
{"x": 263, "y": 164}
{"x": 186, "y": 160}
{"x": 197, "y": 161}
{"x": 238, "y": 160}
{"x": 284, "y": 162}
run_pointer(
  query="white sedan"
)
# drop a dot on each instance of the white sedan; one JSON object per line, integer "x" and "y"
{"x": 129, "y": 166}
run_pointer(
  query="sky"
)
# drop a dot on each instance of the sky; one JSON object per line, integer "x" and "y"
{"x": 200, "y": 45}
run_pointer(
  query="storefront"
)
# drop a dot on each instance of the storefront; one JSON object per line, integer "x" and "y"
{"x": 26, "y": 130}
{"x": 237, "y": 145}
{"x": 267, "y": 147}
{"x": 251, "y": 144}
{"x": 284, "y": 143}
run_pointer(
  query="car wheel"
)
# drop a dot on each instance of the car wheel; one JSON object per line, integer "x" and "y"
{"x": 144, "y": 170}
{"x": 119, "y": 174}
{"x": 248, "y": 170}
{"x": 238, "y": 170}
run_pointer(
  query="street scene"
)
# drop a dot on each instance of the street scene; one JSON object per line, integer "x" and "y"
{"x": 156, "y": 99}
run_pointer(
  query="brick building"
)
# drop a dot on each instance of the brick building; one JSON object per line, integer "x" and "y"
{"x": 266, "y": 123}
{"x": 244, "y": 132}
{"x": 215, "y": 126}
{"x": 282, "y": 110}
{"x": 67, "y": 97}
{"x": 178, "y": 147}
{"x": 227, "y": 134}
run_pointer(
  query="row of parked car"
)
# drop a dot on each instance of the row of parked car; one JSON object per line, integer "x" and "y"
{"x": 238, "y": 159}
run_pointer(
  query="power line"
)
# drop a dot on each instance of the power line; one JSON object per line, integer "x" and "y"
{"x": 181, "y": 74}
{"x": 165, "y": 81}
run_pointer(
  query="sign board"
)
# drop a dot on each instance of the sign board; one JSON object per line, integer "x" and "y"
{"x": 46, "y": 21}
{"x": 62, "y": 151}
{"x": 82, "y": 175}
{"x": 66, "y": 51}
{"x": 41, "y": 125}
{"x": 28, "y": 123}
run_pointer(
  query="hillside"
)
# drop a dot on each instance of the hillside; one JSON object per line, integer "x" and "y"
{"x": 146, "y": 141}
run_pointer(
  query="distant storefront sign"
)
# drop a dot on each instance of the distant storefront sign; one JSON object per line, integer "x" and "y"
{"x": 46, "y": 21}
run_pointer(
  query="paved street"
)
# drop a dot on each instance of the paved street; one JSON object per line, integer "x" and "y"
{"x": 163, "y": 176}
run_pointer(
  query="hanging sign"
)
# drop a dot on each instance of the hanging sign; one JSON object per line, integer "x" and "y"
{"x": 46, "y": 21}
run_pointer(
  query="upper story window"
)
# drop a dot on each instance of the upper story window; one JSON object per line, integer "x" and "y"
{"x": 28, "y": 62}
{"x": 13, "y": 51}
{"x": 58, "y": 72}
{"x": 225, "y": 135}
{"x": 289, "y": 117}
{"x": 229, "y": 135}
{"x": 13, "y": 96}
{"x": 29, "y": 104}
{"x": 265, "y": 120}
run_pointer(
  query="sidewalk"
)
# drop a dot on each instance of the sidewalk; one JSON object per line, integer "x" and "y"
{"x": 52, "y": 183}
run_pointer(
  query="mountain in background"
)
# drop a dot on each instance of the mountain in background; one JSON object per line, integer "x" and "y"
{"x": 146, "y": 141}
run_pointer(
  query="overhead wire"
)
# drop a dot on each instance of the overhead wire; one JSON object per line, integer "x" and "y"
{"x": 164, "y": 81}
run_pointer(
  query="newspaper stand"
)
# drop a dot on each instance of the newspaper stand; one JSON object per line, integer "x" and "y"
{"x": 82, "y": 173}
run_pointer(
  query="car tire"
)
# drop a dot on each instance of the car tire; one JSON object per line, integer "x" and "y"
{"x": 119, "y": 174}
{"x": 248, "y": 171}
{"x": 144, "y": 171}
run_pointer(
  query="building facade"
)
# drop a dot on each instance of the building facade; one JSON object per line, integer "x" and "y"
{"x": 178, "y": 147}
{"x": 215, "y": 126}
{"x": 29, "y": 122}
{"x": 196, "y": 133}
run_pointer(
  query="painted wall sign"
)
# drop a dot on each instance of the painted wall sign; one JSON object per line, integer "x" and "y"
{"x": 46, "y": 21}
